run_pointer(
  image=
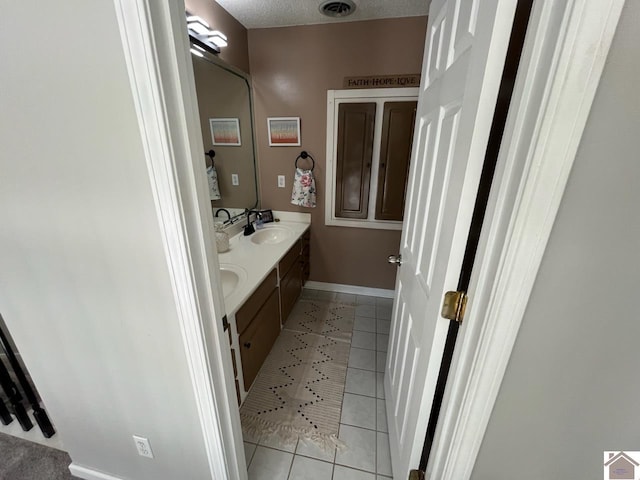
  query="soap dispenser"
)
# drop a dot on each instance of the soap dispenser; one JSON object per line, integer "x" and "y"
{"x": 222, "y": 238}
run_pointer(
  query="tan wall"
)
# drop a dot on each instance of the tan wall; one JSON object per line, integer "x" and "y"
{"x": 237, "y": 53}
{"x": 292, "y": 68}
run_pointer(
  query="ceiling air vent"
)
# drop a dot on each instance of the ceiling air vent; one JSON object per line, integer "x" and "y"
{"x": 337, "y": 9}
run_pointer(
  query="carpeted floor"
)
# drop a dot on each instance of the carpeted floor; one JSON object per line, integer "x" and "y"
{"x": 23, "y": 460}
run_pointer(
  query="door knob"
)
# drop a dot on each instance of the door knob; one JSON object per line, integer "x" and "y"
{"x": 397, "y": 259}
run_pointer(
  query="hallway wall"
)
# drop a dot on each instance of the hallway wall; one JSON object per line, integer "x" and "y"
{"x": 571, "y": 390}
{"x": 84, "y": 282}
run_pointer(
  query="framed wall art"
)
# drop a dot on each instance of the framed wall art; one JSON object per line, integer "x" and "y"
{"x": 284, "y": 131}
{"x": 225, "y": 131}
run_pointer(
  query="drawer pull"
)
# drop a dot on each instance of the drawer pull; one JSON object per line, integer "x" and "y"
{"x": 247, "y": 345}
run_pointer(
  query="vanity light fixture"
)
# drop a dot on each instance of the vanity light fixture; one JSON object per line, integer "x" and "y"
{"x": 199, "y": 29}
{"x": 218, "y": 38}
{"x": 198, "y": 25}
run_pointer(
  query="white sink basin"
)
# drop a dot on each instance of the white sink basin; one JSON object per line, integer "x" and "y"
{"x": 271, "y": 235}
{"x": 232, "y": 276}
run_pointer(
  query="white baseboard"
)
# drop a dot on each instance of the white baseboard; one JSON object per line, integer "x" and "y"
{"x": 89, "y": 474}
{"x": 355, "y": 289}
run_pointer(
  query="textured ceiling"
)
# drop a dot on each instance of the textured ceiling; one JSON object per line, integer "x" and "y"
{"x": 279, "y": 13}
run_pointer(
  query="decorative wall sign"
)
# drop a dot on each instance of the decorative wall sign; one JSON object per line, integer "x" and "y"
{"x": 383, "y": 81}
{"x": 284, "y": 131}
{"x": 225, "y": 131}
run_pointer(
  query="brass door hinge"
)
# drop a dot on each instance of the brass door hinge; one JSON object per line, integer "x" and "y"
{"x": 416, "y": 475}
{"x": 453, "y": 306}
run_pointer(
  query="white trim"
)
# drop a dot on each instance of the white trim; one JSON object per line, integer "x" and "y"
{"x": 561, "y": 66}
{"x": 354, "y": 289}
{"x": 90, "y": 474}
{"x": 156, "y": 50}
{"x": 334, "y": 98}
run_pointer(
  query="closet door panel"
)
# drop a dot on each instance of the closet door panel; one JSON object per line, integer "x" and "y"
{"x": 395, "y": 154}
{"x": 354, "y": 154}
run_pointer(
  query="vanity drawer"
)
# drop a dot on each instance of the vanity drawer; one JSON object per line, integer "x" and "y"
{"x": 258, "y": 338}
{"x": 250, "y": 308}
{"x": 290, "y": 259}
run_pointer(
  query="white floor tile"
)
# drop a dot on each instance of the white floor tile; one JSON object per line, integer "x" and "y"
{"x": 362, "y": 448}
{"x": 274, "y": 441}
{"x": 360, "y": 382}
{"x": 365, "y": 324}
{"x": 384, "y": 302}
{"x": 382, "y": 342}
{"x": 345, "y": 473}
{"x": 380, "y": 385}
{"x": 310, "y": 449}
{"x": 269, "y": 464}
{"x": 362, "y": 358}
{"x": 383, "y": 312}
{"x": 359, "y": 411}
{"x": 381, "y": 360}
{"x": 366, "y": 310}
{"x": 363, "y": 340}
{"x": 381, "y": 416}
{"x": 322, "y": 295}
{"x": 383, "y": 326}
{"x": 249, "y": 449}
{"x": 346, "y": 298}
{"x": 383, "y": 457}
{"x": 309, "y": 293}
{"x": 365, "y": 300}
{"x": 309, "y": 469}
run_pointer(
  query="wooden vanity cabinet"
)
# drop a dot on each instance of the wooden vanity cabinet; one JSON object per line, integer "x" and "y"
{"x": 305, "y": 256}
{"x": 258, "y": 322}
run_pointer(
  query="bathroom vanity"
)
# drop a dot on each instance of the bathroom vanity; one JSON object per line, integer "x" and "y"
{"x": 263, "y": 275}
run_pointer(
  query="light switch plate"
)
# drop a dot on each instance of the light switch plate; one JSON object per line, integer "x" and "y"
{"x": 281, "y": 181}
{"x": 234, "y": 179}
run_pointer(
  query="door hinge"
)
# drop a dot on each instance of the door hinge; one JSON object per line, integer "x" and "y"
{"x": 453, "y": 306}
{"x": 416, "y": 475}
{"x": 225, "y": 323}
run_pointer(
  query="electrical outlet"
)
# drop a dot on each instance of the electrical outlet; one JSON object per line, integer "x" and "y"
{"x": 281, "y": 181}
{"x": 143, "y": 446}
{"x": 234, "y": 179}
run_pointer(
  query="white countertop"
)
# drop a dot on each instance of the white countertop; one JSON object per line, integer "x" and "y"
{"x": 254, "y": 262}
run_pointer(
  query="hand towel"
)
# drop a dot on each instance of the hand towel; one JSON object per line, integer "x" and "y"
{"x": 304, "y": 189}
{"x": 214, "y": 188}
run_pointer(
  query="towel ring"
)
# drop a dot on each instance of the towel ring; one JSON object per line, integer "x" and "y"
{"x": 210, "y": 154}
{"x": 304, "y": 155}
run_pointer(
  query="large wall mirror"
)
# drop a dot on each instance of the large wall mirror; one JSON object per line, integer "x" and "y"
{"x": 226, "y": 118}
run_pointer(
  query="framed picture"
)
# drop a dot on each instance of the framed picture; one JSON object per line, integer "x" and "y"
{"x": 225, "y": 131}
{"x": 284, "y": 131}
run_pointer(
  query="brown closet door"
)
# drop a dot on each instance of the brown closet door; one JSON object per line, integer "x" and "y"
{"x": 395, "y": 153}
{"x": 355, "y": 149}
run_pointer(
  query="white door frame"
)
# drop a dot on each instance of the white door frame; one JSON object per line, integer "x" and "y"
{"x": 563, "y": 58}
{"x": 156, "y": 48}
{"x": 561, "y": 64}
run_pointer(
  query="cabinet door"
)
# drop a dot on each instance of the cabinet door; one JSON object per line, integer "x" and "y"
{"x": 395, "y": 153}
{"x": 258, "y": 338}
{"x": 290, "y": 289}
{"x": 353, "y": 164}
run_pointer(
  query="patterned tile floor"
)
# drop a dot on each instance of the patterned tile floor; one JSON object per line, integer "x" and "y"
{"x": 363, "y": 425}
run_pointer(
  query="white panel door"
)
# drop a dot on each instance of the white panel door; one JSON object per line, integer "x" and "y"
{"x": 464, "y": 56}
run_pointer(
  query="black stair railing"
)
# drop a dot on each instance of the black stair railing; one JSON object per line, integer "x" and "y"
{"x": 15, "y": 397}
